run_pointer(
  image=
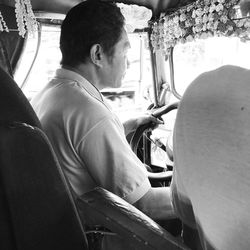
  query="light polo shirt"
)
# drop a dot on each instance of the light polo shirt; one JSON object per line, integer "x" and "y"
{"x": 211, "y": 182}
{"x": 88, "y": 138}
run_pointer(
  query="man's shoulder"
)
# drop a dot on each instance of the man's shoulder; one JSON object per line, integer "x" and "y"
{"x": 64, "y": 93}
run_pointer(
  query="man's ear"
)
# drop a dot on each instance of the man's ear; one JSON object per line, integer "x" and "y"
{"x": 96, "y": 54}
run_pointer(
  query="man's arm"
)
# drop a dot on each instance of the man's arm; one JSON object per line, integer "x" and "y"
{"x": 156, "y": 203}
{"x": 114, "y": 166}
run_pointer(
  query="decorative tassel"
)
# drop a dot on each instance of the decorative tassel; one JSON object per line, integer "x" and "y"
{"x": 3, "y": 26}
{"x": 25, "y": 17}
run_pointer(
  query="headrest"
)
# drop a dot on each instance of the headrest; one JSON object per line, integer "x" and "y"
{"x": 211, "y": 152}
{"x": 14, "y": 106}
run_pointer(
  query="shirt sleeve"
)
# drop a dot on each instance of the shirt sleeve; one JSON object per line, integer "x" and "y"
{"x": 111, "y": 162}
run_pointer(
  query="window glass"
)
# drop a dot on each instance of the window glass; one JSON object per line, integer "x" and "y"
{"x": 194, "y": 58}
{"x": 131, "y": 98}
{"x": 45, "y": 64}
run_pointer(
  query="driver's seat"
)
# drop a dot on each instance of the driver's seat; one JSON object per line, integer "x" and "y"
{"x": 36, "y": 207}
{"x": 37, "y": 211}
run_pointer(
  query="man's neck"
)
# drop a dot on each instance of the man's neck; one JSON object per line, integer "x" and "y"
{"x": 88, "y": 72}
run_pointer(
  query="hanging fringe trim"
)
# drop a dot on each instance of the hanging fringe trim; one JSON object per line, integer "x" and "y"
{"x": 3, "y": 26}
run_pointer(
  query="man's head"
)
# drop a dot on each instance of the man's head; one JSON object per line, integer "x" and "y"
{"x": 90, "y": 22}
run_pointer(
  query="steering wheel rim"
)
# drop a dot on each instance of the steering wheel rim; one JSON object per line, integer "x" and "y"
{"x": 135, "y": 139}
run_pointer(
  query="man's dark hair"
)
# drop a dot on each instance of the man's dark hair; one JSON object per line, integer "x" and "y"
{"x": 88, "y": 23}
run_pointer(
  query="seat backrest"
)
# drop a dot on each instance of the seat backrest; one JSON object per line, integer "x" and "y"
{"x": 14, "y": 106}
{"x": 36, "y": 207}
{"x": 212, "y": 160}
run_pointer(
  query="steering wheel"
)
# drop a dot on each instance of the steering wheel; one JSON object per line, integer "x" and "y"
{"x": 134, "y": 142}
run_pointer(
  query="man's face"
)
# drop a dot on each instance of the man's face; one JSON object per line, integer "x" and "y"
{"x": 115, "y": 66}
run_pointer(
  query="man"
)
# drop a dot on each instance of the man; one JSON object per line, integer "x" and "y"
{"x": 86, "y": 135}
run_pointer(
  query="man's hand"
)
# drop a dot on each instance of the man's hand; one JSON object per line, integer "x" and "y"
{"x": 132, "y": 124}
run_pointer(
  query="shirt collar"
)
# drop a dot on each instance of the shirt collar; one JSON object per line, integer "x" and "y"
{"x": 83, "y": 82}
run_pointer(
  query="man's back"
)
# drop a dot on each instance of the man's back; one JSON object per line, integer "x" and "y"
{"x": 88, "y": 138}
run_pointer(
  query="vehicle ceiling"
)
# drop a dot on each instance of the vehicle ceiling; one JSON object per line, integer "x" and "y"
{"x": 9, "y": 60}
{"x": 62, "y": 6}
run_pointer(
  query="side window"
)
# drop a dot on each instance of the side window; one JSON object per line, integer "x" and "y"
{"x": 34, "y": 71}
{"x": 37, "y": 66}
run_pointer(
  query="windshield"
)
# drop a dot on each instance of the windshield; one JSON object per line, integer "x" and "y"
{"x": 194, "y": 58}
